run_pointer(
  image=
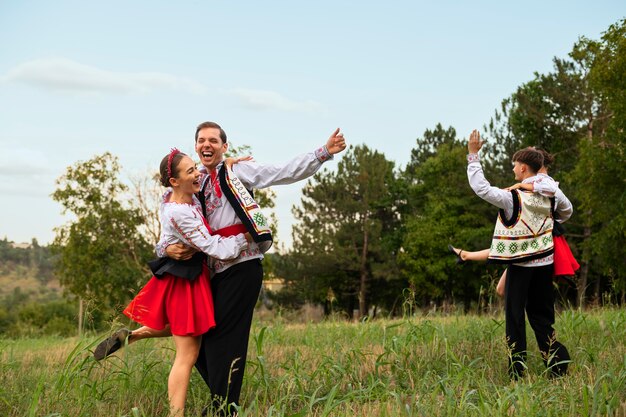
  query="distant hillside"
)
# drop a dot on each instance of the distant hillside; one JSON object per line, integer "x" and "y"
{"x": 27, "y": 270}
{"x": 28, "y": 280}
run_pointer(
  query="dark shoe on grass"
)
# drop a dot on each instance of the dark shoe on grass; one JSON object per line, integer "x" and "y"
{"x": 111, "y": 344}
{"x": 459, "y": 260}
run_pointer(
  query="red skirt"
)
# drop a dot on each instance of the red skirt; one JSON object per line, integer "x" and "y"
{"x": 187, "y": 306}
{"x": 564, "y": 261}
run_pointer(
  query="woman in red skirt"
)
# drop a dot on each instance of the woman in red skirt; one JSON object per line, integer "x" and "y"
{"x": 177, "y": 300}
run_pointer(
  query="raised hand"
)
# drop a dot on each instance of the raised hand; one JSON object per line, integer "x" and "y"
{"x": 232, "y": 160}
{"x": 336, "y": 143}
{"x": 474, "y": 144}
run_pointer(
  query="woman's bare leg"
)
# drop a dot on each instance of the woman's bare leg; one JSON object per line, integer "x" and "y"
{"x": 480, "y": 255}
{"x": 187, "y": 348}
{"x": 120, "y": 338}
{"x": 145, "y": 332}
{"x": 501, "y": 285}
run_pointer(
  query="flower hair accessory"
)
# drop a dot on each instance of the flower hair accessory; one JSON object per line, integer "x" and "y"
{"x": 173, "y": 153}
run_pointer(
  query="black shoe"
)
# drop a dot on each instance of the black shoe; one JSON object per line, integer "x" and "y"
{"x": 459, "y": 260}
{"x": 559, "y": 360}
{"x": 111, "y": 344}
{"x": 564, "y": 279}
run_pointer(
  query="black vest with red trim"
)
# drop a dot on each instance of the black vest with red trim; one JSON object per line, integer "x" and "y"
{"x": 246, "y": 208}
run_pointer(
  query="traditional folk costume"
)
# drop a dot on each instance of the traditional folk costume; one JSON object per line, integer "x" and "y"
{"x": 236, "y": 283}
{"x": 179, "y": 293}
{"x": 523, "y": 239}
{"x": 565, "y": 265}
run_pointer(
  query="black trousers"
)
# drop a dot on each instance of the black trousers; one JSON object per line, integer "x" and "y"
{"x": 222, "y": 358}
{"x": 530, "y": 290}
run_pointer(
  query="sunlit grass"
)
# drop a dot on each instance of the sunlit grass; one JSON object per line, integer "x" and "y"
{"x": 418, "y": 366}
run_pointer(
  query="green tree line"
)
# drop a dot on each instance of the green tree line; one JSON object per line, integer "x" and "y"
{"x": 371, "y": 236}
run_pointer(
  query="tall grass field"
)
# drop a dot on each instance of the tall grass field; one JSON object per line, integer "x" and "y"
{"x": 431, "y": 365}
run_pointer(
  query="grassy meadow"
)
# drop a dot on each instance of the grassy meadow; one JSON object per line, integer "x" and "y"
{"x": 429, "y": 365}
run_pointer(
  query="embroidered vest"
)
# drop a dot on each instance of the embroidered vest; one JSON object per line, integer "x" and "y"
{"x": 246, "y": 208}
{"x": 527, "y": 235}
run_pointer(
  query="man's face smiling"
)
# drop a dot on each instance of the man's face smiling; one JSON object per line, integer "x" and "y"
{"x": 209, "y": 147}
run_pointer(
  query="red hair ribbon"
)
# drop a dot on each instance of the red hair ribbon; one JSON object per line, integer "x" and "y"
{"x": 173, "y": 153}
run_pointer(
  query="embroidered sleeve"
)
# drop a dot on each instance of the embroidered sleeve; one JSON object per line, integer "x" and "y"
{"x": 545, "y": 186}
{"x": 322, "y": 154}
{"x": 257, "y": 176}
{"x": 483, "y": 189}
{"x": 473, "y": 157}
{"x": 563, "y": 206}
{"x": 160, "y": 248}
{"x": 187, "y": 225}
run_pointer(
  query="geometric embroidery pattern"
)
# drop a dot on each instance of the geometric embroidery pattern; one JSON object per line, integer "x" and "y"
{"x": 527, "y": 233}
{"x": 500, "y": 247}
{"x": 259, "y": 219}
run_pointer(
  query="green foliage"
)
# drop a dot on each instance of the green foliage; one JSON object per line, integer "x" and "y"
{"x": 577, "y": 113}
{"x": 22, "y": 315}
{"x": 34, "y": 256}
{"x": 443, "y": 209}
{"x": 344, "y": 240}
{"x": 56, "y": 317}
{"x": 601, "y": 169}
{"x": 102, "y": 255}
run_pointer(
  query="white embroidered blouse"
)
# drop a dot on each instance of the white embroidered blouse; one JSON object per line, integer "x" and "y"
{"x": 183, "y": 223}
{"x": 220, "y": 213}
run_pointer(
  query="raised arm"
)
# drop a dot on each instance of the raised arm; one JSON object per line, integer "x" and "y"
{"x": 494, "y": 195}
{"x": 255, "y": 175}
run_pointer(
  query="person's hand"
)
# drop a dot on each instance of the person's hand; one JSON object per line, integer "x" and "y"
{"x": 248, "y": 237}
{"x": 514, "y": 187}
{"x": 232, "y": 160}
{"x": 519, "y": 185}
{"x": 336, "y": 143}
{"x": 179, "y": 251}
{"x": 474, "y": 144}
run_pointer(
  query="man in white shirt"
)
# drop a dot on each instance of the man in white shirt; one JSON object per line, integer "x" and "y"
{"x": 236, "y": 284}
{"x": 529, "y": 286}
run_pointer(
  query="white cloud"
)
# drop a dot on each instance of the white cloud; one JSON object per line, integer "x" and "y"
{"x": 21, "y": 161}
{"x": 271, "y": 100}
{"x": 64, "y": 75}
{"x": 25, "y": 173}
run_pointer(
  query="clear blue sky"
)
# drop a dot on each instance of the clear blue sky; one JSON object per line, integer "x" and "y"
{"x": 134, "y": 78}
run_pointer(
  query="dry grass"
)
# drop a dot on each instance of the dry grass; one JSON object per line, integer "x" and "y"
{"x": 417, "y": 366}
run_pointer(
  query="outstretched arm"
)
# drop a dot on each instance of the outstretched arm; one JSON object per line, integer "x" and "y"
{"x": 254, "y": 175}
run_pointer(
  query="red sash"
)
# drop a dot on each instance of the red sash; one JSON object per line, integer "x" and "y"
{"x": 233, "y": 230}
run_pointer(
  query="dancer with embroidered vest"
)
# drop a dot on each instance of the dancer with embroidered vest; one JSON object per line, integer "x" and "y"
{"x": 565, "y": 265}
{"x": 177, "y": 301}
{"x": 230, "y": 208}
{"x": 523, "y": 239}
